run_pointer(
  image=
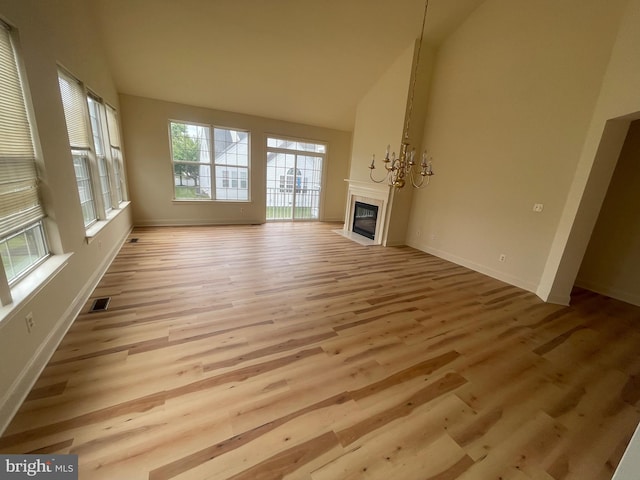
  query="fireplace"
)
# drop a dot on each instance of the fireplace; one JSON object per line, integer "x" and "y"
{"x": 364, "y": 219}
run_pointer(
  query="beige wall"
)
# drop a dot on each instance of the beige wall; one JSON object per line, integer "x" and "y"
{"x": 512, "y": 96}
{"x": 145, "y": 126}
{"x": 380, "y": 120}
{"x": 52, "y": 32}
{"x": 618, "y": 104}
{"x": 611, "y": 264}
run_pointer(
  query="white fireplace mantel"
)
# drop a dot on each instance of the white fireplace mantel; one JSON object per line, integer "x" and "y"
{"x": 373, "y": 194}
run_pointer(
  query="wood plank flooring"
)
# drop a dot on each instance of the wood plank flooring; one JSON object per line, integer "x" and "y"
{"x": 287, "y": 351}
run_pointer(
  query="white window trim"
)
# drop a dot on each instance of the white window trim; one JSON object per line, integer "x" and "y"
{"x": 33, "y": 283}
{"x": 11, "y": 295}
{"x": 212, "y": 164}
{"x": 96, "y": 227}
{"x": 104, "y": 213}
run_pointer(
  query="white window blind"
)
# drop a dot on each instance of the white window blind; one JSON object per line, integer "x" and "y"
{"x": 75, "y": 111}
{"x": 19, "y": 204}
{"x": 112, "y": 127}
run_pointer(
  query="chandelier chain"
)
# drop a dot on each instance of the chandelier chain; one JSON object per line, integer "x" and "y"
{"x": 404, "y": 169}
{"x": 415, "y": 73}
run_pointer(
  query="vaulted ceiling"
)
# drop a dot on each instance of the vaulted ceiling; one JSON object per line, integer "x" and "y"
{"x": 306, "y": 61}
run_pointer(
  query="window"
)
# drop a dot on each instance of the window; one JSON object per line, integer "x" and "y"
{"x": 209, "y": 163}
{"x": 96, "y": 112}
{"x": 294, "y": 178}
{"x": 75, "y": 113}
{"x": 22, "y": 237}
{"x": 116, "y": 155}
{"x": 98, "y": 165}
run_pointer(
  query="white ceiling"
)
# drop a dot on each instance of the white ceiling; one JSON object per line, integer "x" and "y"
{"x": 306, "y": 61}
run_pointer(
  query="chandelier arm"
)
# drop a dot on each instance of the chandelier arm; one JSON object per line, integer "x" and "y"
{"x": 377, "y": 181}
{"x": 413, "y": 181}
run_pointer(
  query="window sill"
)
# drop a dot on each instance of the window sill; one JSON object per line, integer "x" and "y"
{"x": 35, "y": 281}
{"x": 94, "y": 229}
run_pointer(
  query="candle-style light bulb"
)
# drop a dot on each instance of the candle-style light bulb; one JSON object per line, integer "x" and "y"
{"x": 373, "y": 161}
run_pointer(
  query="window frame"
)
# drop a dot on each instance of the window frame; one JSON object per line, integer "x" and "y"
{"x": 103, "y": 160}
{"x": 99, "y": 183}
{"x": 117, "y": 158}
{"x": 227, "y": 170}
{"x": 31, "y": 140}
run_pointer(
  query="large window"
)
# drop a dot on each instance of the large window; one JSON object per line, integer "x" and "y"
{"x": 97, "y": 164}
{"x": 22, "y": 237}
{"x": 209, "y": 163}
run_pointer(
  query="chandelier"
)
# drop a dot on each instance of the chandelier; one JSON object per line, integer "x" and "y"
{"x": 403, "y": 168}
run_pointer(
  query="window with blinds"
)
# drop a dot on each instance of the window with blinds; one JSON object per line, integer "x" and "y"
{"x": 95, "y": 146}
{"x": 76, "y": 115}
{"x": 22, "y": 237}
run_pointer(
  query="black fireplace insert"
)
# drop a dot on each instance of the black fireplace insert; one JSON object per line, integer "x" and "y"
{"x": 364, "y": 219}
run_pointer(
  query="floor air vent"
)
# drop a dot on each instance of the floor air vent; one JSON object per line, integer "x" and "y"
{"x": 133, "y": 240}
{"x": 100, "y": 304}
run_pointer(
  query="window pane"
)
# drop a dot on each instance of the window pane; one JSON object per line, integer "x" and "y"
{"x": 296, "y": 145}
{"x": 104, "y": 183}
{"x": 96, "y": 129}
{"x": 231, "y": 147}
{"x": 232, "y": 183}
{"x": 192, "y": 181}
{"x": 115, "y": 154}
{"x": 23, "y": 250}
{"x": 83, "y": 179}
{"x": 190, "y": 143}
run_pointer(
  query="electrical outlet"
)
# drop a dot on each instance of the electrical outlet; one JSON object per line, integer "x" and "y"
{"x": 31, "y": 323}
{"x": 502, "y": 257}
{"x": 418, "y": 233}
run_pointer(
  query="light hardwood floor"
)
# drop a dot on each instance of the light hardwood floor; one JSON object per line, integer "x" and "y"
{"x": 288, "y": 351}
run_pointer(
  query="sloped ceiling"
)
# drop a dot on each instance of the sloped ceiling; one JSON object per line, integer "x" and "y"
{"x": 298, "y": 60}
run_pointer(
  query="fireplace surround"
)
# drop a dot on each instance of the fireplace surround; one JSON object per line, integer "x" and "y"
{"x": 372, "y": 194}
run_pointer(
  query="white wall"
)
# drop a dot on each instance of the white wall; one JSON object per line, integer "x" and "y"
{"x": 149, "y": 168}
{"x": 52, "y": 32}
{"x": 611, "y": 264}
{"x": 512, "y": 97}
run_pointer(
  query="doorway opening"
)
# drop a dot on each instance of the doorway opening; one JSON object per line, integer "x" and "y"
{"x": 294, "y": 179}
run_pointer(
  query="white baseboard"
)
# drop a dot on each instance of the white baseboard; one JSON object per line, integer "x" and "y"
{"x": 498, "y": 275}
{"x": 17, "y": 393}
{"x": 195, "y": 223}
